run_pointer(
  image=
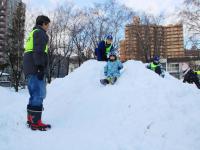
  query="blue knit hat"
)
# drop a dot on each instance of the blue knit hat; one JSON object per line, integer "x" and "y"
{"x": 109, "y": 37}
{"x": 156, "y": 58}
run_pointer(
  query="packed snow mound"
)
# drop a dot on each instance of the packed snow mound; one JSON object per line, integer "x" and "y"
{"x": 142, "y": 111}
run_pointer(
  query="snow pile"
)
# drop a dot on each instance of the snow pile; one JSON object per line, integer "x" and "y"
{"x": 142, "y": 111}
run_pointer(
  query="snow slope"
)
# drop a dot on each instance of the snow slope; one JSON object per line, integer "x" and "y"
{"x": 142, "y": 111}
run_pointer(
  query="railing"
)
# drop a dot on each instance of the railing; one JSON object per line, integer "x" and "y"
{"x": 192, "y": 53}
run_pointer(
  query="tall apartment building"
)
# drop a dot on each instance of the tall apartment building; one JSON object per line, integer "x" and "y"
{"x": 144, "y": 41}
{"x": 12, "y": 19}
{"x": 3, "y": 5}
{"x": 7, "y": 11}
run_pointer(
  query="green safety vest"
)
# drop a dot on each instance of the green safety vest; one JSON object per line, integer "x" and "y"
{"x": 198, "y": 72}
{"x": 29, "y": 43}
{"x": 153, "y": 66}
{"x": 108, "y": 48}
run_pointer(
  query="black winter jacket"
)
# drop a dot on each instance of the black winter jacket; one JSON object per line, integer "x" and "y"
{"x": 191, "y": 77}
{"x": 36, "y": 59}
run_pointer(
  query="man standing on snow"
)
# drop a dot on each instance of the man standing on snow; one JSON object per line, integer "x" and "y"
{"x": 104, "y": 48}
{"x": 35, "y": 67}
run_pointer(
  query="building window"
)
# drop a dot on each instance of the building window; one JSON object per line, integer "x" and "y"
{"x": 176, "y": 75}
{"x": 173, "y": 67}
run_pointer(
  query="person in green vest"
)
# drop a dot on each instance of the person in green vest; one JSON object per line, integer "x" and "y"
{"x": 104, "y": 48}
{"x": 197, "y": 72}
{"x": 35, "y": 68}
{"x": 156, "y": 66}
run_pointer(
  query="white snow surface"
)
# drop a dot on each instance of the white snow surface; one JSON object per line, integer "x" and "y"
{"x": 142, "y": 111}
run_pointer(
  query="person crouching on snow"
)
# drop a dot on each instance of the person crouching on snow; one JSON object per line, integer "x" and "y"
{"x": 156, "y": 66}
{"x": 189, "y": 75}
{"x": 112, "y": 69}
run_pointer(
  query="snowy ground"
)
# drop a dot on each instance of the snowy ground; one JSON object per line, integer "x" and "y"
{"x": 141, "y": 112}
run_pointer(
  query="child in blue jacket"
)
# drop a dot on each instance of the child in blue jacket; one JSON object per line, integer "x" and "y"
{"x": 112, "y": 69}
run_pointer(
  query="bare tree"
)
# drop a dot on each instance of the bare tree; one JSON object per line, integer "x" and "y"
{"x": 190, "y": 15}
{"x": 60, "y": 45}
{"x": 149, "y": 36}
{"x": 15, "y": 42}
{"x": 107, "y": 18}
{"x": 79, "y": 34}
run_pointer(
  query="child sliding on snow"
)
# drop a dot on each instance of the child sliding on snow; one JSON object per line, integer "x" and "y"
{"x": 112, "y": 69}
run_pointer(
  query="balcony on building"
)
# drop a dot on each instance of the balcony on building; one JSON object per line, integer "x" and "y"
{"x": 2, "y": 37}
{"x": 2, "y": 42}
{"x": 2, "y": 31}
{"x": 2, "y": 24}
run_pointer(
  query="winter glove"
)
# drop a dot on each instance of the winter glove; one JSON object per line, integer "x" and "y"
{"x": 148, "y": 67}
{"x": 162, "y": 74}
{"x": 40, "y": 73}
{"x": 119, "y": 68}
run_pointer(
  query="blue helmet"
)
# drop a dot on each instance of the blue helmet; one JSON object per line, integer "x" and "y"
{"x": 109, "y": 37}
{"x": 156, "y": 58}
{"x": 113, "y": 53}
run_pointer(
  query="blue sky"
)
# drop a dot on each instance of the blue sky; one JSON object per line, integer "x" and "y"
{"x": 49, "y": 4}
{"x": 155, "y": 7}
{"x": 151, "y": 6}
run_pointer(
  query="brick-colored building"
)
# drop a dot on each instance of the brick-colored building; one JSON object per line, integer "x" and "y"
{"x": 142, "y": 42}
